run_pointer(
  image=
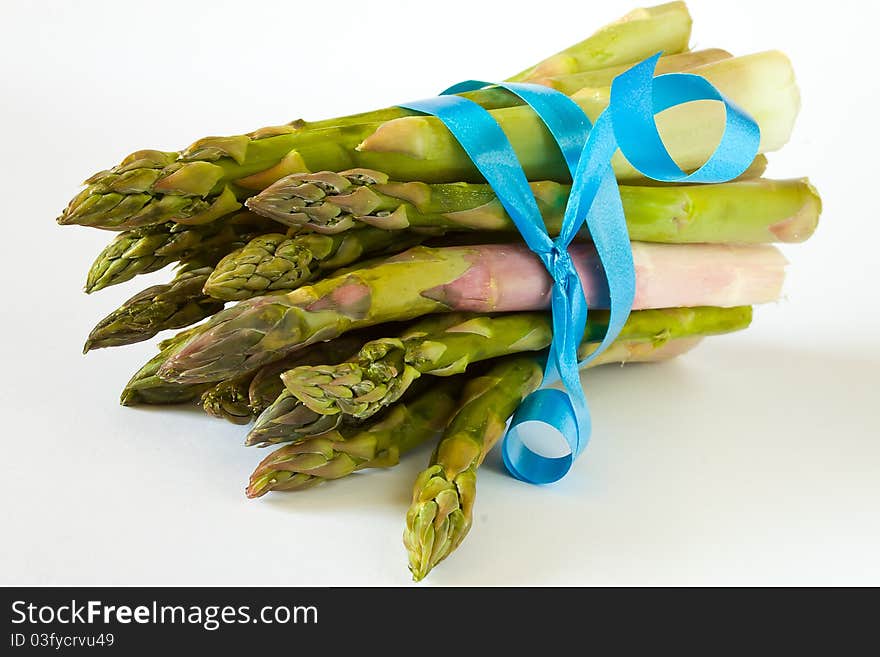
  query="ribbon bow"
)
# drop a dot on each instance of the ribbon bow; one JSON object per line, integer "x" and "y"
{"x": 628, "y": 124}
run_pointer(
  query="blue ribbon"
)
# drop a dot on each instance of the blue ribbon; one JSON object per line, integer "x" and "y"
{"x": 627, "y": 124}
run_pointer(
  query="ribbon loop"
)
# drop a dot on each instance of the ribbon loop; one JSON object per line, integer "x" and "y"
{"x": 628, "y": 123}
{"x": 635, "y": 128}
{"x": 552, "y": 410}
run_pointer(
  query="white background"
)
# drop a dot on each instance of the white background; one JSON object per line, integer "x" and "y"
{"x": 753, "y": 460}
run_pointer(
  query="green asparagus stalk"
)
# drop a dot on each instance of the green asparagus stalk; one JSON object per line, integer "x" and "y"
{"x": 228, "y": 400}
{"x": 486, "y": 278}
{"x": 443, "y": 496}
{"x": 173, "y": 305}
{"x": 146, "y": 388}
{"x": 149, "y": 249}
{"x": 755, "y": 211}
{"x": 339, "y": 453}
{"x": 384, "y": 369}
{"x": 274, "y": 262}
{"x": 209, "y": 179}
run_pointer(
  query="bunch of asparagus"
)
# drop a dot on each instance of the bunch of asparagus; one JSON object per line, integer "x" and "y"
{"x": 383, "y": 297}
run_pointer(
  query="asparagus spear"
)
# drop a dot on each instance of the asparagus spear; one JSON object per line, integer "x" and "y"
{"x": 340, "y": 452}
{"x": 282, "y": 417}
{"x": 487, "y": 278}
{"x": 443, "y": 496}
{"x": 384, "y": 369}
{"x": 441, "y": 513}
{"x": 241, "y": 399}
{"x": 753, "y": 211}
{"x": 274, "y": 262}
{"x": 288, "y": 420}
{"x": 266, "y": 385}
{"x": 228, "y": 400}
{"x": 149, "y": 249}
{"x": 209, "y": 178}
{"x": 145, "y": 387}
{"x": 172, "y": 305}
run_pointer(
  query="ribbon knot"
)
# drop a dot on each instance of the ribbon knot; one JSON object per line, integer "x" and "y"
{"x": 558, "y": 262}
{"x": 628, "y": 124}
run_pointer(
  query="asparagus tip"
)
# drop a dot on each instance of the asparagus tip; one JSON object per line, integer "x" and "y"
{"x": 258, "y": 486}
{"x": 93, "y": 286}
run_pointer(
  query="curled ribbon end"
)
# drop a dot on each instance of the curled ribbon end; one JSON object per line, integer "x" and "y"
{"x": 553, "y": 409}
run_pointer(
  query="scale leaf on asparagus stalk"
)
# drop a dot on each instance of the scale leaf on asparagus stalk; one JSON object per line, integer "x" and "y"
{"x": 485, "y": 279}
{"x": 445, "y": 345}
{"x": 748, "y": 212}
